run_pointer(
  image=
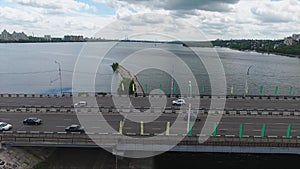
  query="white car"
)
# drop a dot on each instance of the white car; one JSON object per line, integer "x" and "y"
{"x": 80, "y": 104}
{"x": 178, "y": 102}
{"x": 5, "y": 126}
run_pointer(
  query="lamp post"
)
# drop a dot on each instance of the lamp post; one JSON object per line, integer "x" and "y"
{"x": 246, "y": 80}
{"x": 189, "y": 112}
{"x": 59, "y": 72}
{"x": 172, "y": 81}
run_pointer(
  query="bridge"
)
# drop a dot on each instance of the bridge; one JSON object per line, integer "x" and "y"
{"x": 254, "y": 124}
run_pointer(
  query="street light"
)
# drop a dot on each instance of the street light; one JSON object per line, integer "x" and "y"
{"x": 59, "y": 70}
{"x": 189, "y": 112}
{"x": 246, "y": 80}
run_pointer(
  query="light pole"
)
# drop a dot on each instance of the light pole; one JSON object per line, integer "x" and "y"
{"x": 172, "y": 81}
{"x": 189, "y": 112}
{"x": 59, "y": 71}
{"x": 246, "y": 80}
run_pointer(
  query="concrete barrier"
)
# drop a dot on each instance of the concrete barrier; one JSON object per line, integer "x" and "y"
{"x": 232, "y": 112}
{"x": 265, "y": 113}
{"x": 296, "y": 113}
{"x": 168, "y": 111}
{"x": 253, "y": 112}
{"x": 105, "y": 110}
{"x": 243, "y": 112}
{"x": 286, "y": 113}
{"x": 36, "y": 95}
{"x": 63, "y": 110}
{"x": 43, "y": 110}
{"x": 33, "y": 110}
{"x": 275, "y": 113}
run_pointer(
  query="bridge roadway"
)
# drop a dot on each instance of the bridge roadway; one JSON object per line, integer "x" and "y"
{"x": 291, "y": 103}
{"x": 229, "y": 125}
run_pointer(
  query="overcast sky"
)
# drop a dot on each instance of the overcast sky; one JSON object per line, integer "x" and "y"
{"x": 223, "y": 19}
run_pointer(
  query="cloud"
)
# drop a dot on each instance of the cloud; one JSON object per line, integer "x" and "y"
{"x": 206, "y": 5}
{"x": 277, "y": 11}
{"x": 55, "y": 6}
{"x": 186, "y": 5}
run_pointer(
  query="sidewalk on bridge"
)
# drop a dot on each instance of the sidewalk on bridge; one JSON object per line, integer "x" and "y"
{"x": 23, "y": 158}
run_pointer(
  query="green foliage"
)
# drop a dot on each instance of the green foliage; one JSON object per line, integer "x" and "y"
{"x": 128, "y": 87}
{"x": 115, "y": 66}
{"x": 262, "y": 46}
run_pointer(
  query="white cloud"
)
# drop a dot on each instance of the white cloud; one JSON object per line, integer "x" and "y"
{"x": 62, "y": 5}
{"x": 217, "y": 19}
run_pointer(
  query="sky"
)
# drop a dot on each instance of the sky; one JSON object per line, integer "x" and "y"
{"x": 216, "y": 19}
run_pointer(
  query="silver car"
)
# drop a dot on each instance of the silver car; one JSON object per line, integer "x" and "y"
{"x": 5, "y": 126}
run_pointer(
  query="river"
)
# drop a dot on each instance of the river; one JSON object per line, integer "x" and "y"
{"x": 31, "y": 68}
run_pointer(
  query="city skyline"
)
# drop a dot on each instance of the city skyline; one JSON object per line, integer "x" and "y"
{"x": 233, "y": 19}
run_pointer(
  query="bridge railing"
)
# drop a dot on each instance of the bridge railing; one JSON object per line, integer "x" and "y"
{"x": 104, "y": 139}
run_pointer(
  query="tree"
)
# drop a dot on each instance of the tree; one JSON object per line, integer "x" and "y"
{"x": 115, "y": 66}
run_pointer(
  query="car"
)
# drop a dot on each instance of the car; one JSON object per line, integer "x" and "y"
{"x": 80, "y": 104}
{"x": 32, "y": 121}
{"x": 2, "y": 162}
{"x": 178, "y": 102}
{"x": 5, "y": 126}
{"x": 74, "y": 128}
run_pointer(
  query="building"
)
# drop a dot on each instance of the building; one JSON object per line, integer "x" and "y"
{"x": 296, "y": 37}
{"x": 289, "y": 41}
{"x": 47, "y": 37}
{"x": 6, "y": 36}
{"x": 73, "y": 38}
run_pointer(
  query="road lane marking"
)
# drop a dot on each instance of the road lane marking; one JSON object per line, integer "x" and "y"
{"x": 60, "y": 126}
{"x": 156, "y": 128}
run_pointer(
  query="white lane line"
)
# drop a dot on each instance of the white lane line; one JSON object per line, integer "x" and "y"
{"x": 127, "y": 128}
{"x": 60, "y": 126}
{"x": 156, "y": 128}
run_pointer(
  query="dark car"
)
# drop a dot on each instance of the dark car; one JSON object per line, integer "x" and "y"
{"x": 32, "y": 121}
{"x": 74, "y": 128}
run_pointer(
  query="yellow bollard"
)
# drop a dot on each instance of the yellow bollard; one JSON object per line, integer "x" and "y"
{"x": 247, "y": 90}
{"x": 142, "y": 128}
{"x": 122, "y": 85}
{"x": 121, "y": 127}
{"x": 231, "y": 90}
{"x": 133, "y": 87}
{"x": 168, "y": 128}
